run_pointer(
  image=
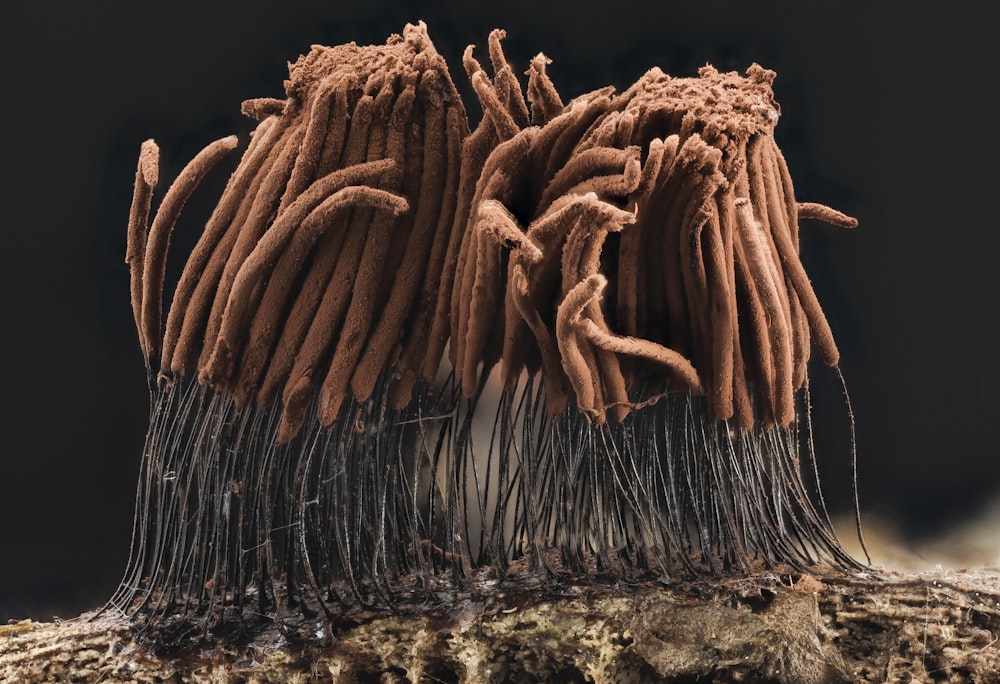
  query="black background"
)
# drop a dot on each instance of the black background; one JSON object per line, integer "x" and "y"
{"x": 887, "y": 114}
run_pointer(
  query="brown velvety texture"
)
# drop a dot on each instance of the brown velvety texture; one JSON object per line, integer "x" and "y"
{"x": 676, "y": 196}
{"x": 320, "y": 263}
{"x": 322, "y": 437}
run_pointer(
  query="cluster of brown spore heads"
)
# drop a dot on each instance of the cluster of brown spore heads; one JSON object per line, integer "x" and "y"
{"x": 405, "y": 360}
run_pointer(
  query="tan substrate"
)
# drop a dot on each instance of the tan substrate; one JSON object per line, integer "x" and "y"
{"x": 903, "y": 628}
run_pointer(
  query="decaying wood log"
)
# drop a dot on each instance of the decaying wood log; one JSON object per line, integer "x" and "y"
{"x": 940, "y": 626}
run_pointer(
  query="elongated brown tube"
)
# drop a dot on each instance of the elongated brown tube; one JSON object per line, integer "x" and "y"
{"x": 263, "y": 140}
{"x": 545, "y": 101}
{"x": 318, "y": 279}
{"x": 290, "y": 226}
{"x": 190, "y": 308}
{"x": 694, "y": 275}
{"x": 155, "y": 260}
{"x": 338, "y": 189}
{"x": 265, "y": 328}
{"x": 146, "y": 175}
{"x": 220, "y": 365}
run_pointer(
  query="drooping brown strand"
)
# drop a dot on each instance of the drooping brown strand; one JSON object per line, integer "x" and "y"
{"x": 158, "y": 240}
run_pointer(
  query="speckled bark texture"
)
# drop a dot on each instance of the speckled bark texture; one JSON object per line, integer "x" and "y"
{"x": 777, "y": 628}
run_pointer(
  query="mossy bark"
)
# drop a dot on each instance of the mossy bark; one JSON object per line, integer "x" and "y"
{"x": 779, "y": 628}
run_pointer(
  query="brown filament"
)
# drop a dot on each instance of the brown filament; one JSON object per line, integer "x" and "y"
{"x": 576, "y": 182}
{"x": 603, "y": 133}
{"x": 755, "y": 339}
{"x": 758, "y": 257}
{"x": 507, "y": 87}
{"x": 625, "y": 129}
{"x": 650, "y": 351}
{"x": 721, "y": 302}
{"x": 578, "y": 369}
{"x": 318, "y": 279}
{"x": 416, "y": 247}
{"x": 287, "y": 228}
{"x": 262, "y": 259}
{"x": 496, "y": 222}
{"x": 310, "y": 149}
{"x": 821, "y": 212}
{"x": 695, "y": 280}
{"x": 475, "y": 154}
{"x": 261, "y": 108}
{"x": 322, "y": 329}
{"x": 412, "y": 177}
{"x": 595, "y": 162}
{"x": 581, "y": 259}
{"x": 477, "y": 282}
{"x": 258, "y": 216}
{"x": 800, "y": 331}
{"x": 482, "y": 289}
{"x": 631, "y": 297}
{"x": 773, "y": 206}
{"x": 556, "y": 397}
{"x": 337, "y": 135}
{"x": 819, "y": 328}
{"x": 502, "y": 120}
{"x": 545, "y": 101}
{"x": 699, "y": 209}
{"x": 435, "y": 279}
{"x": 265, "y": 326}
{"x": 179, "y": 339}
{"x": 681, "y": 185}
{"x": 331, "y": 315}
{"x": 612, "y": 379}
{"x": 652, "y": 313}
{"x": 788, "y": 193}
{"x": 593, "y": 287}
{"x": 567, "y": 132}
{"x": 742, "y": 403}
{"x": 329, "y": 318}
{"x": 536, "y": 260}
{"x": 154, "y": 263}
{"x": 146, "y": 175}
{"x": 370, "y": 269}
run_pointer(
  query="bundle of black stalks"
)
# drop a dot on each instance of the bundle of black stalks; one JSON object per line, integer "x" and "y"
{"x": 406, "y": 362}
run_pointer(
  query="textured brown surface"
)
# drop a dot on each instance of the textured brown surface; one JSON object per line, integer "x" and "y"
{"x": 902, "y": 628}
{"x": 628, "y": 261}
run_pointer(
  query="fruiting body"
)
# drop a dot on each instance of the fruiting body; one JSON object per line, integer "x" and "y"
{"x": 626, "y": 268}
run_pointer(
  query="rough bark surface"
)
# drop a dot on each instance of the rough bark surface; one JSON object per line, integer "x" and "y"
{"x": 778, "y": 628}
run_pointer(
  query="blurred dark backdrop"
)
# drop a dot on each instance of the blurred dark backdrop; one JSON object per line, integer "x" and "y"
{"x": 886, "y": 114}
